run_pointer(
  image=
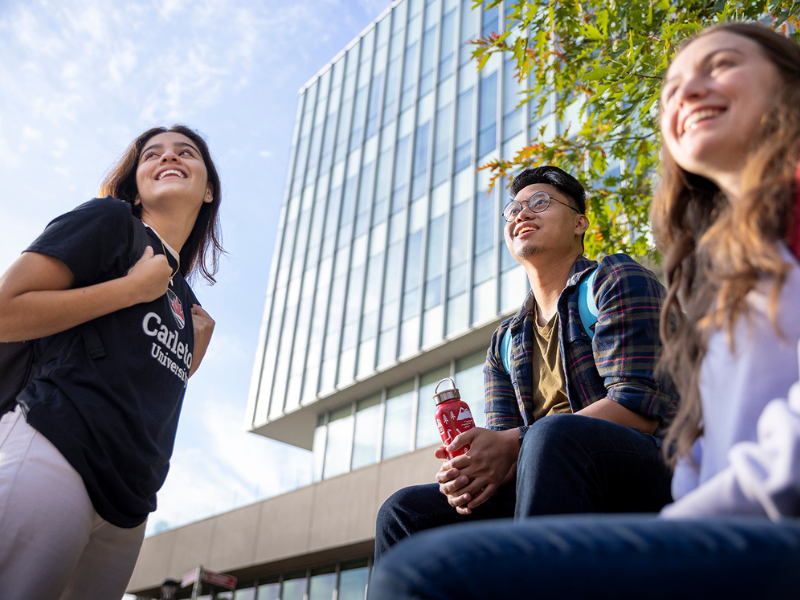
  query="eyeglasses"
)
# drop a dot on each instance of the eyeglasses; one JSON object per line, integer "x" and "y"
{"x": 536, "y": 203}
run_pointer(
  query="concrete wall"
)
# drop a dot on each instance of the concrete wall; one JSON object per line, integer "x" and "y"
{"x": 324, "y": 522}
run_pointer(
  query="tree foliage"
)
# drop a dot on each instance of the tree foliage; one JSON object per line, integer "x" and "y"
{"x": 605, "y": 59}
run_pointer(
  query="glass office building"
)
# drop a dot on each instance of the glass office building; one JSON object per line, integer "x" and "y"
{"x": 389, "y": 244}
{"x": 389, "y": 273}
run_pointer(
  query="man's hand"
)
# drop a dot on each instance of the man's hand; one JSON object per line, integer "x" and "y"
{"x": 149, "y": 277}
{"x": 471, "y": 479}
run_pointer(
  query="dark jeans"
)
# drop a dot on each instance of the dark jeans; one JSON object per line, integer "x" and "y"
{"x": 596, "y": 556}
{"x": 567, "y": 464}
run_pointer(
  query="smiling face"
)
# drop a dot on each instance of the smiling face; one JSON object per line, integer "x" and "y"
{"x": 171, "y": 172}
{"x": 555, "y": 232}
{"x": 716, "y": 92}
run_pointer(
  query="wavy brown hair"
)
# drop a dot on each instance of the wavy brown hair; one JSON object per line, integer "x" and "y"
{"x": 202, "y": 249}
{"x": 714, "y": 250}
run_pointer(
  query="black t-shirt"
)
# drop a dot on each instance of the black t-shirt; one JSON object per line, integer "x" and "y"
{"x": 114, "y": 419}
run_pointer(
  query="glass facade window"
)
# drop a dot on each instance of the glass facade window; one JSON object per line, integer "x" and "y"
{"x": 339, "y": 442}
{"x": 245, "y": 594}
{"x": 490, "y": 21}
{"x": 487, "y": 122}
{"x": 367, "y": 435}
{"x": 398, "y": 423}
{"x": 464, "y": 124}
{"x": 469, "y": 31}
{"x": 419, "y": 181}
{"x": 410, "y": 71}
{"x": 448, "y": 48}
{"x": 459, "y": 276}
{"x": 269, "y": 591}
{"x": 295, "y": 586}
{"x": 428, "y": 61}
{"x": 322, "y": 584}
{"x": 512, "y": 114}
{"x": 433, "y": 280}
{"x": 353, "y": 580}
{"x": 341, "y": 581}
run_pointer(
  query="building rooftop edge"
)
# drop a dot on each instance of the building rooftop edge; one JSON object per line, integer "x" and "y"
{"x": 347, "y": 47}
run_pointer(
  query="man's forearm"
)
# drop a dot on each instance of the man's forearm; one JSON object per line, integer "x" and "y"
{"x": 608, "y": 410}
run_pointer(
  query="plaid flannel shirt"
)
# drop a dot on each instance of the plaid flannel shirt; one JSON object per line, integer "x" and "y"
{"x": 619, "y": 363}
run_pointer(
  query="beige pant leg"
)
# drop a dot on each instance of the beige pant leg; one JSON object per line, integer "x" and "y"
{"x": 107, "y": 562}
{"x": 51, "y": 538}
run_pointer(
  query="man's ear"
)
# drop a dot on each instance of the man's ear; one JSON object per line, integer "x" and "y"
{"x": 581, "y": 225}
{"x": 209, "y": 197}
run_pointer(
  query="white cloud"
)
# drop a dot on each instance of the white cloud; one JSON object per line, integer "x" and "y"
{"x": 60, "y": 146}
{"x": 122, "y": 63}
{"x": 228, "y": 468}
{"x": 30, "y": 134}
{"x": 8, "y": 158}
{"x": 70, "y": 74}
{"x": 168, "y": 8}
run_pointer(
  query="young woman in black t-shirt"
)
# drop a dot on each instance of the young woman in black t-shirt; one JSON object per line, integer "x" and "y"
{"x": 88, "y": 447}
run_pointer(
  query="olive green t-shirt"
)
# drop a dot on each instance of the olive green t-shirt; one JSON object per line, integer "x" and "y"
{"x": 549, "y": 387}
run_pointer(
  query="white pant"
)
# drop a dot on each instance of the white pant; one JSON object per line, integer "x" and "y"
{"x": 52, "y": 542}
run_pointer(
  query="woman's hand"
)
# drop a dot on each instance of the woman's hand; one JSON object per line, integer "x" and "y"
{"x": 149, "y": 278}
{"x": 203, "y": 326}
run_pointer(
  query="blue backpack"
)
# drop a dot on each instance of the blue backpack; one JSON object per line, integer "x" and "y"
{"x": 587, "y": 308}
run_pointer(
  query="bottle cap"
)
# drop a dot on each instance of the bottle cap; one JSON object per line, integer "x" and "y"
{"x": 445, "y": 395}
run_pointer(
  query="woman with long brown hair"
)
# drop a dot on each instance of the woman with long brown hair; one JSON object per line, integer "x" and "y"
{"x": 723, "y": 214}
{"x": 88, "y": 445}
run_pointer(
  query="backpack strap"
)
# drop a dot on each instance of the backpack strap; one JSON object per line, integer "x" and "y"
{"x": 587, "y": 307}
{"x": 140, "y": 240}
{"x": 505, "y": 350}
{"x": 91, "y": 337}
{"x": 51, "y": 349}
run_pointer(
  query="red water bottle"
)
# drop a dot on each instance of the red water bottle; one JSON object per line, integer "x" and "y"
{"x": 452, "y": 415}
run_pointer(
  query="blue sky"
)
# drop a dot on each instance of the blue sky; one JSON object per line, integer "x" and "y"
{"x": 79, "y": 79}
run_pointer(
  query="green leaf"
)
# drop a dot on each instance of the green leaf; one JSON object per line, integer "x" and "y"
{"x": 598, "y": 73}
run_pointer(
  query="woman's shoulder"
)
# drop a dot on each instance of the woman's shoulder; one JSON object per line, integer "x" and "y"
{"x": 106, "y": 206}
{"x": 760, "y": 297}
{"x": 107, "y": 217}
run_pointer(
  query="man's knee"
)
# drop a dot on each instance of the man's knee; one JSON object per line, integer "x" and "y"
{"x": 410, "y": 502}
{"x": 549, "y": 434}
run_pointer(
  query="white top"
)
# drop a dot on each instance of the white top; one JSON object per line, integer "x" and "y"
{"x": 748, "y": 460}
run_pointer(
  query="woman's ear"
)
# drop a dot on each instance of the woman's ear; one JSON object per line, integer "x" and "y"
{"x": 209, "y": 197}
{"x": 137, "y": 200}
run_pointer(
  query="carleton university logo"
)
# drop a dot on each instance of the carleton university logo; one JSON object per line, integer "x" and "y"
{"x": 177, "y": 308}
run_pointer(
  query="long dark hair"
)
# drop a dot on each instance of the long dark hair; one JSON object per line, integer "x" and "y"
{"x": 202, "y": 249}
{"x": 715, "y": 251}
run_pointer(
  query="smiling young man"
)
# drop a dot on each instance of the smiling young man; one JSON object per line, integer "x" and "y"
{"x": 574, "y": 424}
